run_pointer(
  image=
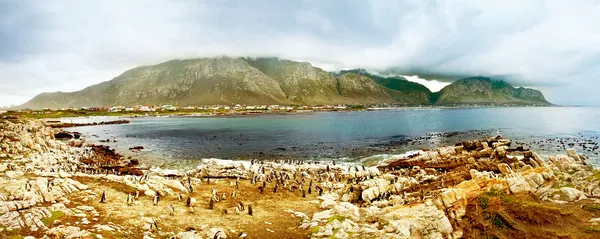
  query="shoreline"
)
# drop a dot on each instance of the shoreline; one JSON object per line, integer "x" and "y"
{"x": 49, "y": 189}
{"x": 191, "y": 113}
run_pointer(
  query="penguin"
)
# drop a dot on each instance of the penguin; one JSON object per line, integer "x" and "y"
{"x": 233, "y": 194}
{"x": 261, "y": 189}
{"x": 243, "y": 235}
{"x": 303, "y": 194}
{"x": 224, "y": 196}
{"x": 155, "y": 200}
{"x": 219, "y": 235}
{"x": 129, "y": 199}
{"x": 103, "y": 198}
{"x": 179, "y": 197}
{"x": 191, "y": 210}
{"x": 188, "y": 201}
{"x": 171, "y": 210}
{"x": 28, "y": 186}
{"x": 191, "y": 188}
{"x": 250, "y": 212}
{"x": 137, "y": 194}
{"x": 155, "y": 225}
{"x": 224, "y": 212}
{"x": 237, "y": 184}
{"x": 211, "y": 204}
{"x": 157, "y": 195}
{"x": 309, "y": 189}
{"x": 276, "y": 187}
{"x": 241, "y": 206}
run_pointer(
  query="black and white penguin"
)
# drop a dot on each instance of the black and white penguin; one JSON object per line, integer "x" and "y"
{"x": 103, "y": 197}
{"x": 155, "y": 200}
{"x": 171, "y": 210}
{"x": 250, "y": 211}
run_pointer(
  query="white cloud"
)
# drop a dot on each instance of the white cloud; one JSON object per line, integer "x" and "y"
{"x": 69, "y": 44}
{"x": 432, "y": 85}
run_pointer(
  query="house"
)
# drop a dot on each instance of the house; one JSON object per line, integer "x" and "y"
{"x": 145, "y": 108}
{"x": 114, "y": 109}
{"x": 169, "y": 107}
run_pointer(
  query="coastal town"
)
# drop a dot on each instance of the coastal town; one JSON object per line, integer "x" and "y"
{"x": 219, "y": 110}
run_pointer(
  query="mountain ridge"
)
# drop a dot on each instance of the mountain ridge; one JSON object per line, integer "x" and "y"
{"x": 269, "y": 80}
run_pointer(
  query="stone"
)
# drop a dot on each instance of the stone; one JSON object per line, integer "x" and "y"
{"x": 573, "y": 154}
{"x": 571, "y": 194}
{"x": 13, "y": 174}
{"x": 505, "y": 169}
{"x": 189, "y": 235}
{"x": 347, "y": 210}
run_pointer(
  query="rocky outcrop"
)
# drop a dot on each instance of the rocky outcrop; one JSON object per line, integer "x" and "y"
{"x": 425, "y": 195}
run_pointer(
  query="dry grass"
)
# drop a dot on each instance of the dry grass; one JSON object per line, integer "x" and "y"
{"x": 497, "y": 215}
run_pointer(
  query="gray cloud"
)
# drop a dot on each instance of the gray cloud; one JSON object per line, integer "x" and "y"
{"x": 69, "y": 44}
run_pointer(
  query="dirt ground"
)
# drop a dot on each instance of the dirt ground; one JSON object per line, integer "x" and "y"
{"x": 269, "y": 219}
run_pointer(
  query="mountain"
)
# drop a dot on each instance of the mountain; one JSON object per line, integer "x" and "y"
{"x": 250, "y": 81}
{"x": 301, "y": 82}
{"x": 402, "y": 89}
{"x": 483, "y": 90}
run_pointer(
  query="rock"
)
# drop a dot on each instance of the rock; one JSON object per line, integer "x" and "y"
{"x": 505, "y": 169}
{"x": 328, "y": 201}
{"x": 573, "y": 154}
{"x": 68, "y": 232}
{"x": 347, "y": 210}
{"x": 571, "y": 194}
{"x": 399, "y": 227}
{"x": 189, "y": 235}
{"x": 424, "y": 218}
{"x": 13, "y": 174}
{"x": 341, "y": 234}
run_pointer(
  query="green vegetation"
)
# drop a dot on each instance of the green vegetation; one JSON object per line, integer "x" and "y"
{"x": 55, "y": 216}
{"x": 592, "y": 229}
{"x": 314, "y": 230}
{"x": 336, "y": 217}
{"x": 591, "y": 207}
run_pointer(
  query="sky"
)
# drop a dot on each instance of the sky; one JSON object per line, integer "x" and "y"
{"x": 67, "y": 45}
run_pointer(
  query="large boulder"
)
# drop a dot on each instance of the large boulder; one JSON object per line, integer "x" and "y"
{"x": 571, "y": 194}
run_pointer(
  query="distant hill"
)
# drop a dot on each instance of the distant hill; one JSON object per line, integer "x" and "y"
{"x": 483, "y": 90}
{"x": 226, "y": 80}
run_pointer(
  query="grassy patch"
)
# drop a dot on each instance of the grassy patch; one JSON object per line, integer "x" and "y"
{"x": 592, "y": 229}
{"x": 591, "y": 207}
{"x": 314, "y": 230}
{"x": 16, "y": 237}
{"x": 595, "y": 176}
{"x": 336, "y": 217}
{"x": 55, "y": 215}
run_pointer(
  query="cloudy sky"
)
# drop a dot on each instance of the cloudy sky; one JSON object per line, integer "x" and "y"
{"x": 66, "y": 45}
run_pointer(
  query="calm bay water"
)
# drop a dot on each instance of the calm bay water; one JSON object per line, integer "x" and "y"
{"x": 337, "y": 135}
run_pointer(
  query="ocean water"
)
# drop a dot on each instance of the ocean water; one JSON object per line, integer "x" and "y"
{"x": 344, "y": 136}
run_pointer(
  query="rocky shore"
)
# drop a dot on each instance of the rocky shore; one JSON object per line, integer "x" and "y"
{"x": 485, "y": 188}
